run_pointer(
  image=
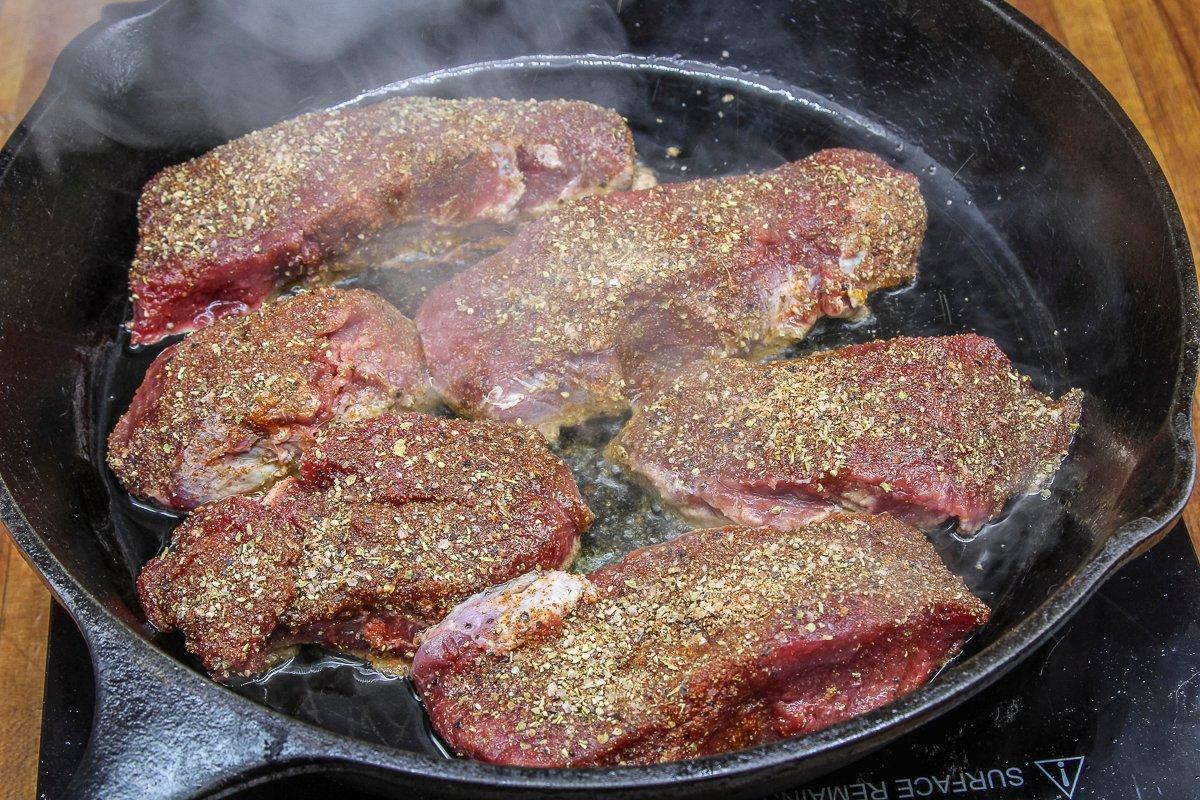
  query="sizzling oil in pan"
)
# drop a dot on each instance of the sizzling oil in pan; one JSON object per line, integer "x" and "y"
{"x": 689, "y": 121}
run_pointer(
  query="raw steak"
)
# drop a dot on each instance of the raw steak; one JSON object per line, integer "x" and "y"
{"x": 721, "y": 639}
{"x": 594, "y": 302}
{"x": 924, "y": 428}
{"x": 229, "y": 409}
{"x": 405, "y": 179}
{"x": 390, "y": 523}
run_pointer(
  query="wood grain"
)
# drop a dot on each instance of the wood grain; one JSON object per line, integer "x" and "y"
{"x": 1147, "y": 52}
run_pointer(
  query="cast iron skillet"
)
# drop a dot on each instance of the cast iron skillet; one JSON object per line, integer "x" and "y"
{"x": 1052, "y": 229}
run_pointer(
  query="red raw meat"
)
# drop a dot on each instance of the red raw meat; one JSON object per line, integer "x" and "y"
{"x": 594, "y": 302}
{"x": 390, "y": 523}
{"x": 721, "y": 639}
{"x": 923, "y": 428}
{"x": 221, "y": 233}
{"x": 228, "y": 410}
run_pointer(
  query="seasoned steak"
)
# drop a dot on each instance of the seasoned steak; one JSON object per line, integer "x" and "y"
{"x": 219, "y": 234}
{"x": 390, "y": 522}
{"x": 228, "y": 410}
{"x": 592, "y": 303}
{"x": 721, "y": 639}
{"x": 924, "y": 428}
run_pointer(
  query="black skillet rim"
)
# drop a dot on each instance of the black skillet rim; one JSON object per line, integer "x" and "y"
{"x": 322, "y": 749}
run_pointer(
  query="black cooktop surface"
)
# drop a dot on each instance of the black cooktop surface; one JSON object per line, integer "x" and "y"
{"x": 1108, "y": 708}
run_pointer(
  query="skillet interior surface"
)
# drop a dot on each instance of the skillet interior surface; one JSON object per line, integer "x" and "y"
{"x": 722, "y": 122}
{"x": 1063, "y": 245}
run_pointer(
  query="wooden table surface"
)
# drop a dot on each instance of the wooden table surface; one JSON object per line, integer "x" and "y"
{"x": 1147, "y": 52}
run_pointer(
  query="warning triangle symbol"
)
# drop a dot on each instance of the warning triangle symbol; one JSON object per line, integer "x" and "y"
{"x": 1063, "y": 773}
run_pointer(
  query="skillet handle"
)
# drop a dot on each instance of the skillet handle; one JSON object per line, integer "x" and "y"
{"x": 155, "y": 736}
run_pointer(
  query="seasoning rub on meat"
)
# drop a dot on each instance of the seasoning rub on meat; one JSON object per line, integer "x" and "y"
{"x": 390, "y": 522}
{"x": 923, "y": 428}
{"x": 219, "y": 234}
{"x": 594, "y": 302}
{"x": 229, "y": 409}
{"x": 721, "y": 639}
